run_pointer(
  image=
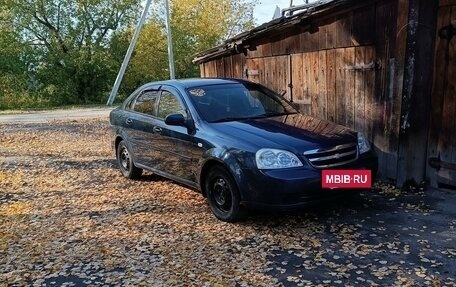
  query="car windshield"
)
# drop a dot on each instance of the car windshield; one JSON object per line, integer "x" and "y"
{"x": 230, "y": 102}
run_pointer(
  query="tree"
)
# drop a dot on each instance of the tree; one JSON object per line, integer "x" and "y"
{"x": 76, "y": 46}
{"x": 71, "y": 39}
{"x": 13, "y": 65}
{"x": 196, "y": 25}
{"x": 149, "y": 61}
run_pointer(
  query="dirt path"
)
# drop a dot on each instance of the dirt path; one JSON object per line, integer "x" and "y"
{"x": 55, "y": 115}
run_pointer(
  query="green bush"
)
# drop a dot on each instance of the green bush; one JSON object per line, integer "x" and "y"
{"x": 14, "y": 94}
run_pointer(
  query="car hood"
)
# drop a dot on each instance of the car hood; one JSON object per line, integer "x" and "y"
{"x": 294, "y": 132}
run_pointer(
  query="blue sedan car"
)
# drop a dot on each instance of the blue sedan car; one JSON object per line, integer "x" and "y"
{"x": 240, "y": 144}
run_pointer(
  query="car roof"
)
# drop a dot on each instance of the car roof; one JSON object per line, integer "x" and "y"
{"x": 195, "y": 82}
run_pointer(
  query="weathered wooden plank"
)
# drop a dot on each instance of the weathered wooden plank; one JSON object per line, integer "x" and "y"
{"x": 293, "y": 44}
{"x": 395, "y": 99}
{"x": 259, "y": 70}
{"x": 331, "y": 35}
{"x": 270, "y": 73}
{"x": 400, "y": 55}
{"x": 344, "y": 28}
{"x": 313, "y": 82}
{"x": 205, "y": 69}
{"x": 267, "y": 67}
{"x": 288, "y": 76}
{"x": 276, "y": 47}
{"x": 310, "y": 40}
{"x": 211, "y": 69}
{"x": 297, "y": 75}
{"x": 447, "y": 140}
{"x": 340, "y": 92}
{"x": 331, "y": 84}
{"x": 228, "y": 64}
{"x": 267, "y": 50}
{"x": 360, "y": 81}
{"x": 382, "y": 48}
{"x": 385, "y": 41}
{"x": 255, "y": 53}
{"x": 238, "y": 66}
{"x": 283, "y": 45}
{"x": 306, "y": 105}
{"x": 265, "y": 70}
{"x": 220, "y": 67}
{"x": 322, "y": 91}
{"x": 282, "y": 71}
{"x": 252, "y": 70}
{"x": 438, "y": 93}
{"x": 322, "y": 37}
{"x": 371, "y": 110}
{"x": 385, "y": 16}
{"x": 202, "y": 72}
{"x": 349, "y": 61}
{"x": 304, "y": 42}
{"x": 282, "y": 75}
{"x": 416, "y": 92}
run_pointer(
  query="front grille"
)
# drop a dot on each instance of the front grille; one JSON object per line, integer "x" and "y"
{"x": 335, "y": 156}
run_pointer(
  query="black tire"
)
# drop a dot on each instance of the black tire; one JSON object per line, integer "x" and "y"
{"x": 223, "y": 195}
{"x": 126, "y": 164}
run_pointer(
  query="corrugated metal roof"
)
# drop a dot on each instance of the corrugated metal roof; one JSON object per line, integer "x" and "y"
{"x": 299, "y": 15}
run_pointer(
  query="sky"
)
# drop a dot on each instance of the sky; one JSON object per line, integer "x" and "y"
{"x": 265, "y": 9}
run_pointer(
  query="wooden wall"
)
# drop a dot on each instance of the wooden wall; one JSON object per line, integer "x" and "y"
{"x": 341, "y": 68}
{"x": 358, "y": 67}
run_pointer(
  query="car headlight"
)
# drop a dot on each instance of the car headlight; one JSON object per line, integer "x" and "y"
{"x": 363, "y": 144}
{"x": 267, "y": 158}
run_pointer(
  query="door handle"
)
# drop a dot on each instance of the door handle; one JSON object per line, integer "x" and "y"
{"x": 129, "y": 121}
{"x": 157, "y": 130}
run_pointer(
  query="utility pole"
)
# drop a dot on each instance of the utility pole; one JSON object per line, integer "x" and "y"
{"x": 170, "y": 43}
{"x": 128, "y": 54}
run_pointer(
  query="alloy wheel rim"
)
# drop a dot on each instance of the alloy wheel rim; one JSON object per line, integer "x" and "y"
{"x": 125, "y": 159}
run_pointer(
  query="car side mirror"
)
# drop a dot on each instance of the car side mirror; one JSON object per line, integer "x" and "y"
{"x": 178, "y": 119}
{"x": 175, "y": 119}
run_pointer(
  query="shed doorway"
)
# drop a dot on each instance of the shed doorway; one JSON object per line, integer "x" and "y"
{"x": 442, "y": 136}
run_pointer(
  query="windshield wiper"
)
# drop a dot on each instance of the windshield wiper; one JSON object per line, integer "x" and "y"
{"x": 261, "y": 116}
{"x": 271, "y": 114}
{"x": 229, "y": 119}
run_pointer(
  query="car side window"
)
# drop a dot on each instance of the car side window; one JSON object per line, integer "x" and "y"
{"x": 169, "y": 104}
{"x": 130, "y": 103}
{"x": 146, "y": 103}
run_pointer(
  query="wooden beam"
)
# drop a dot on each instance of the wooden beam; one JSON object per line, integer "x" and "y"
{"x": 416, "y": 92}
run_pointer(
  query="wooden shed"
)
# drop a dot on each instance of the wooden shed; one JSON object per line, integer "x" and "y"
{"x": 385, "y": 67}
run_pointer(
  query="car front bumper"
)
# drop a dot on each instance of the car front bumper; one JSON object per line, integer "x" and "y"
{"x": 291, "y": 189}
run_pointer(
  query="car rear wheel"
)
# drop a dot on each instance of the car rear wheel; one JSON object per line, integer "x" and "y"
{"x": 223, "y": 195}
{"x": 126, "y": 164}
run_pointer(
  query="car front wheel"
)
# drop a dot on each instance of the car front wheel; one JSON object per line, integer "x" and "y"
{"x": 125, "y": 161}
{"x": 223, "y": 195}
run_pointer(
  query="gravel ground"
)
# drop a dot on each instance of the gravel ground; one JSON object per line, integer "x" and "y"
{"x": 68, "y": 218}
